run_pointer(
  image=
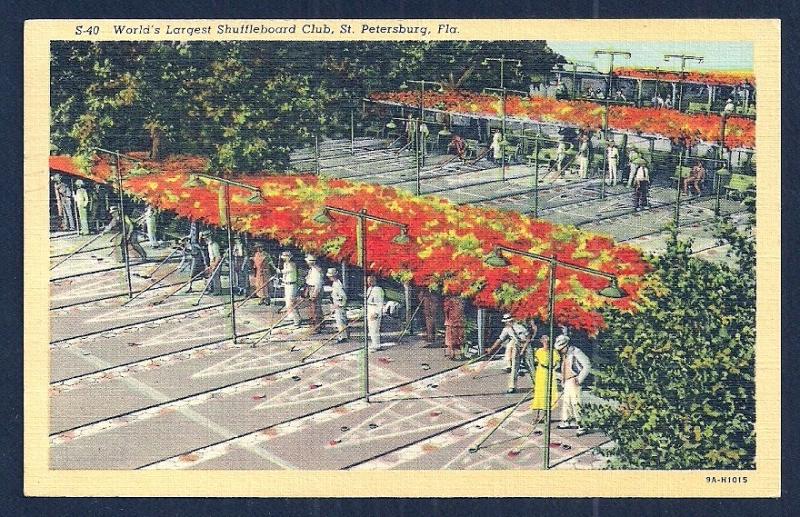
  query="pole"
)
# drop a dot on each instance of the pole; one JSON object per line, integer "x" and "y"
{"x": 503, "y": 127}
{"x": 574, "y": 79}
{"x": 717, "y": 180}
{"x": 548, "y": 394}
{"x": 418, "y": 165}
{"x": 362, "y": 228}
{"x": 536, "y": 177}
{"x": 352, "y": 133}
{"x": 125, "y": 253}
{"x": 316, "y": 152}
{"x": 678, "y": 196}
{"x": 481, "y": 315}
{"x": 231, "y": 262}
{"x": 407, "y": 295}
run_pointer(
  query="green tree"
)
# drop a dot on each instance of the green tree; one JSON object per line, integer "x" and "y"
{"x": 679, "y": 375}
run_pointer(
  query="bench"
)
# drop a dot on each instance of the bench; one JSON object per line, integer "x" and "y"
{"x": 511, "y": 152}
{"x": 471, "y": 149}
{"x": 374, "y": 130}
{"x": 741, "y": 185}
{"x": 697, "y": 107}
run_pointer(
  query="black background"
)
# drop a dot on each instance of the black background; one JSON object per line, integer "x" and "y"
{"x": 12, "y": 16}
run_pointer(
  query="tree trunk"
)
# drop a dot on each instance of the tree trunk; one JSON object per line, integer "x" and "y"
{"x": 155, "y": 142}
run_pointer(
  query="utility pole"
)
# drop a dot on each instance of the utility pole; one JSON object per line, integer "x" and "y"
{"x": 503, "y": 60}
{"x": 684, "y": 58}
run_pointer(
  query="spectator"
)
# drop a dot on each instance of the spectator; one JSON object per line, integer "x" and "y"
{"x": 641, "y": 184}
{"x": 453, "y": 326}
{"x": 695, "y": 178}
{"x": 575, "y": 367}
{"x": 458, "y": 145}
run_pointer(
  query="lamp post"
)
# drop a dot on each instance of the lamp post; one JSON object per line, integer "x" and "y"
{"x": 256, "y": 198}
{"x": 684, "y": 58}
{"x": 503, "y": 93}
{"x": 124, "y": 236}
{"x": 418, "y": 140}
{"x": 722, "y": 171}
{"x": 502, "y": 60}
{"x": 611, "y": 54}
{"x": 496, "y": 259}
{"x": 323, "y": 217}
{"x": 575, "y": 65}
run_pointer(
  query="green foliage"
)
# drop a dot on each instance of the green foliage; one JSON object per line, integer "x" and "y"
{"x": 680, "y": 374}
{"x": 248, "y": 104}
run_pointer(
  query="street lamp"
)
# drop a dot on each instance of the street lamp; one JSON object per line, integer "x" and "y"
{"x": 496, "y": 259}
{"x": 684, "y": 58}
{"x": 611, "y": 53}
{"x": 324, "y": 217}
{"x": 503, "y": 92}
{"x": 502, "y": 60}
{"x": 125, "y": 254}
{"x": 256, "y": 199}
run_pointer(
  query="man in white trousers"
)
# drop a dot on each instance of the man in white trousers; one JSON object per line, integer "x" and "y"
{"x": 514, "y": 335}
{"x": 612, "y": 157}
{"x": 375, "y": 298}
{"x": 289, "y": 279}
{"x": 575, "y": 366}
{"x": 339, "y": 301}
{"x": 583, "y": 157}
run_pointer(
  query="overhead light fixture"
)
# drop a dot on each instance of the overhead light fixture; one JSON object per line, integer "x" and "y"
{"x": 391, "y": 125}
{"x": 496, "y": 259}
{"x": 613, "y": 290}
{"x": 256, "y": 198}
{"x": 322, "y": 217}
{"x": 403, "y": 86}
{"x": 193, "y": 182}
{"x": 402, "y": 237}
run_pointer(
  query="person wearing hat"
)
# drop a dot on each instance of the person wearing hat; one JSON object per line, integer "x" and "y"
{"x": 612, "y": 158}
{"x": 289, "y": 279}
{"x": 583, "y": 156}
{"x": 497, "y": 146}
{"x": 314, "y": 284}
{"x": 633, "y": 156}
{"x": 730, "y": 107}
{"x": 575, "y": 366}
{"x": 641, "y": 184}
{"x": 82, "y": 202}
{"x": 512, "y": 336}
{"x": 150, "y": 219}
{"x": 374, "y": 302}
{"x": 116, "y": 223}
{"x": 64, "y": 201}
{"x": 214, "y": 283}
{"x": 339, "y": 301}
{"x": 561, "y": 155}
{"x": 262, "y": 272}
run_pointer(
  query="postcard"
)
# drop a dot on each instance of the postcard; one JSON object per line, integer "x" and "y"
{"x": 443, "y": 258}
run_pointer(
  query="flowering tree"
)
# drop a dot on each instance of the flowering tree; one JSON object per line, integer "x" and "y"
{"x": 681, "y": 371}
{"x": 449, "y": 243}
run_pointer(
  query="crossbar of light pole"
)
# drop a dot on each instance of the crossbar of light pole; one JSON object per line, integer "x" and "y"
{"x": 366, "y": 216}
{"x": 211, "y": 177}
{"x": 115, "y": 153}
{"x": 545, "y": 258}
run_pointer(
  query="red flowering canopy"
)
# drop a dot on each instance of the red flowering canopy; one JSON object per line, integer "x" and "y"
{"x": 448, "y": 242}
{"x": 714, "y": 78}
{"x": 739, "y": 132}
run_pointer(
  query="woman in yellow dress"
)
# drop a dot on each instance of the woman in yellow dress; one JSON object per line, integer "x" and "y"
{"x": 541, "y": 357}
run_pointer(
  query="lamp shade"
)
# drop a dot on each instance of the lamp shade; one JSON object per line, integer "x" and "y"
{"x": 256, "y": 199}
{"x": 322, "y": 217}
{"x": 613, "y": 291}
{"x": 495, "y": 259}
{"x": 402, "y": 237}
{"x": 193, "y": 182}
